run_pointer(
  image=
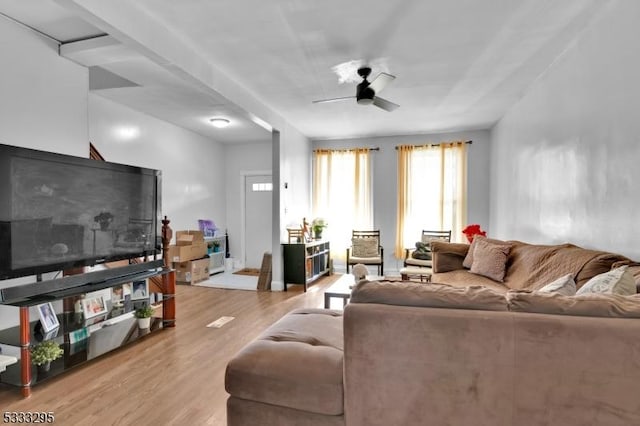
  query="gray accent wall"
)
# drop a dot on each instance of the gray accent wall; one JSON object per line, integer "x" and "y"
{"x": 566, "y": 157}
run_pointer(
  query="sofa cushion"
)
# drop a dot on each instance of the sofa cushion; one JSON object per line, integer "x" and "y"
{"x": 448, "y": 256}
{"x": 616, "y": 281}
{"x": 564, "y": 285}
{"x": 428, "y": 295}
{"x": 295, "y": 363}
{"x": 489, "y": 259}
{"x": 464, "y": 278}
{"x": 592, "y": 304}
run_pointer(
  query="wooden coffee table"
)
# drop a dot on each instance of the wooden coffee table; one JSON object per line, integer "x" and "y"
{"x": 342, "y": 289}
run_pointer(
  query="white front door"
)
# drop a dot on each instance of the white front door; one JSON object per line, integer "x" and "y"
{"x": 257, "y": 237}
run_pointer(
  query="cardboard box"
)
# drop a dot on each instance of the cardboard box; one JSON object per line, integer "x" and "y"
{"x": 193, "y": 271}
{"x": 190, "y": 252}
{"x": 184, "y": 238}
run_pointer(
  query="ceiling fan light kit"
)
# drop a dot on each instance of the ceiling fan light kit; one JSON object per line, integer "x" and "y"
{"x": 366, "y": 91}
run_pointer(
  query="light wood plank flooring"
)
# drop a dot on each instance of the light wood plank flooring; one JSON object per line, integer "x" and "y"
{"x": 174, "y": 377}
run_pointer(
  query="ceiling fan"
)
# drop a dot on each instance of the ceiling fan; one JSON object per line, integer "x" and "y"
{"x": 366, "y": 91}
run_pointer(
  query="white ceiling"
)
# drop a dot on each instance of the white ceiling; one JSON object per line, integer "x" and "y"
{"x": 460, "y": 64}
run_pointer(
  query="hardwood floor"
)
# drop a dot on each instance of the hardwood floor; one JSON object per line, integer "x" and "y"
{"x": 173, "y": 377}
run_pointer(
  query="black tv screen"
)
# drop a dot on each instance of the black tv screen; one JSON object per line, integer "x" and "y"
{"x": 59, "y": 211}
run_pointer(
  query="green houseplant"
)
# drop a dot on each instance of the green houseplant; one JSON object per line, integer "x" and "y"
{"x": 318, "y": 225}
{"x": 144, "y": 316}
{"x": 43, "y": 353}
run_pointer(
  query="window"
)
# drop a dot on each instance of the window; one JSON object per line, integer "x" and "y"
{"x": 432, "y": 191}
{"x": 262, "y": 187}
{"x": 342, "y": 194}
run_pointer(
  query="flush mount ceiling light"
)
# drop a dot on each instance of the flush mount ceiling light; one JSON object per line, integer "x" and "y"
{"x": 219, "y": 122}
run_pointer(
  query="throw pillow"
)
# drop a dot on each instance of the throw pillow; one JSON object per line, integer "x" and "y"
{"x": 422, "y": 251}
{"x": 565, "y": 286}
{"x": 364, "y": 247}
{"x": 616, "y": 281}
{"x": 468, "y": 260}
{"x": 490, "y": 260}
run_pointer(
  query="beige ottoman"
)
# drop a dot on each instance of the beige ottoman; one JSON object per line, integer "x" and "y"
{"x": 291, "y": 374}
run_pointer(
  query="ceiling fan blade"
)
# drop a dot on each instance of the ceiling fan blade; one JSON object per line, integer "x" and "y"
{"x": 381, "y": 81}
{"x": 384, "y": 104}
{"x": 322, "y": 101}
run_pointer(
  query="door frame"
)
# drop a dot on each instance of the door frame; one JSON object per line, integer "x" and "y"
{"x": 243, "y": 207}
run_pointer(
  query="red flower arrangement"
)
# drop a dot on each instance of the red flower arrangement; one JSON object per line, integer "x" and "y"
{"x": 472, "y": 230}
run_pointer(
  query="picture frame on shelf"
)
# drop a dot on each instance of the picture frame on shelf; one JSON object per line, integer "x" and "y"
{"x": 93, "y": 306}
{"x": 50, "y": 334}
{"x": 48, "y": 318}
{"x": 95, "y": 320}
{"x": 140, "y": 290}
{"x": 78, "y": 335}
{"x": 117, "y": 295}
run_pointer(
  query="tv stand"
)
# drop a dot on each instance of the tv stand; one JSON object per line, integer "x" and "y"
{"x": 114, "y": 329}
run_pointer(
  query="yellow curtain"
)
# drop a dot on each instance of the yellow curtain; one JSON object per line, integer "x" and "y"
{"x": 432, "y": 192}
{"x": 404, "y": 182}
{"x": 342, "y": 194}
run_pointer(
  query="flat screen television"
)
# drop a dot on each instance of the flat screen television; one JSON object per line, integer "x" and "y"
{"x": 59, "y": 212}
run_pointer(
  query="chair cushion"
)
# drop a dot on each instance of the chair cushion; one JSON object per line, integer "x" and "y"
{"x": 418, "y": 262}
{"x": 295, "y": 363}
{"x": 366, "y": 260}
{"x": 364, "y": 247}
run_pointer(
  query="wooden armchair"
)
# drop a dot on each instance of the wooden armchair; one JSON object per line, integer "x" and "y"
{"x": 425, "y": 259}
{"x": 366, "y": 249}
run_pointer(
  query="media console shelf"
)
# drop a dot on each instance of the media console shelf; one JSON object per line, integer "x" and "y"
{"x": 82, "y": 339}
{"x": 305, "y": 263}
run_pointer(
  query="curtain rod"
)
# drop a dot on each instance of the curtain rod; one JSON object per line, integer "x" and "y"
{"x": 433, "y": 144}
{"x": 346, "y": 149}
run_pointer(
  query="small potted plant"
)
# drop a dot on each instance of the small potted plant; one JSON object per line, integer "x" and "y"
{"x": 104, "y": 220}
{"x": 144, "y": 316}
{"x": 318, "y": 225}
{"x": 216, "y": 246}
{"x": 43, "y": 353}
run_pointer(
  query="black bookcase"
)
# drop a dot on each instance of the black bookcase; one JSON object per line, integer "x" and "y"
{"x": 306, "y": 262}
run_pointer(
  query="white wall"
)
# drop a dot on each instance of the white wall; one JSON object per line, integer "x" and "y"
{"x": 193, "y": 166}
{"x": 43, "y": 105}
{"x": 43, "y": 97}
{"x": 565, "y": 158}
{"x": 385, "y": 180}
{"x": 291, "y": 166}
{"x": 240, "y": 160}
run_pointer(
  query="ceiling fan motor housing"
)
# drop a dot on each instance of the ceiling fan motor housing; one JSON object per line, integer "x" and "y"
{"x": 365, "y": 94}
